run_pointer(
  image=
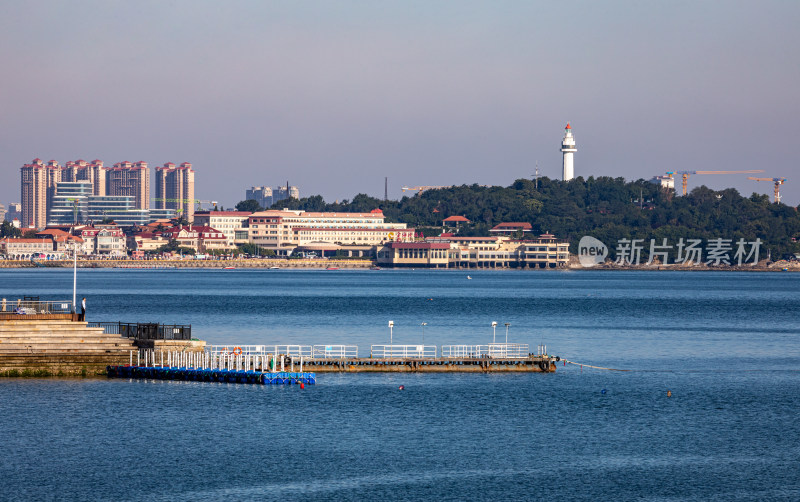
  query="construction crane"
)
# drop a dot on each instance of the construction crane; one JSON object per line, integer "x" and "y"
{"x": 685, "y": 175}
{"x": 778, "y": 182}
{"x": 422, "y": 188}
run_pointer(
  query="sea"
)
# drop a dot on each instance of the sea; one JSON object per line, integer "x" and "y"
{"x": 724, "y": 344}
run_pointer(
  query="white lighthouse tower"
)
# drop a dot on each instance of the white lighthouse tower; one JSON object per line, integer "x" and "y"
{"x": 568, "y": 148}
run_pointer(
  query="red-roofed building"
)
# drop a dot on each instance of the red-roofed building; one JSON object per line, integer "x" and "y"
{"x": 229, "y": 223}
{"x": 201, "y": 238}
{"x": 455, "y": 219}
{"x": 511, "y": 227}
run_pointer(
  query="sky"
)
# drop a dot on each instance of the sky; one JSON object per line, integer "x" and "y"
{"x": 333, "y": 96}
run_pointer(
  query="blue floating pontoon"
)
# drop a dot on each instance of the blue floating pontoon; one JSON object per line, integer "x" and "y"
{"x": 209, "y": 375}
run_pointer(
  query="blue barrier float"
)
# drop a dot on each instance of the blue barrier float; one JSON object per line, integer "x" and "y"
{"x": 209, "y": 375}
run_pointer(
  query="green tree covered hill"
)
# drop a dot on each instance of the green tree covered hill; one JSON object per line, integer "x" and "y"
{"x": 607, "y": 208}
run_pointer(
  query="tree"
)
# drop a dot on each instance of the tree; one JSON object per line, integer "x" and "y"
{"x": 249, "y": 205}
{"x": 174, "y": 247}
{"x": 9, "y": 230}
{"x": 254, "y": 250}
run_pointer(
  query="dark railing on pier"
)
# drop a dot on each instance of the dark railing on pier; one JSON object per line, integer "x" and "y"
{"x": 146, "y": 331}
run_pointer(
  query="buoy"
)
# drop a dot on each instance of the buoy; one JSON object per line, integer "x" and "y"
{"x": 302, "y": 385}
{"x": 402, "y": 387}
{"x": 669, "y": 393}
{"x": 603, "y": 391}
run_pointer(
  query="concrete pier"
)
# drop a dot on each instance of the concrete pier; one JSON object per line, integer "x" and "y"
{"x": 531, "y": 364}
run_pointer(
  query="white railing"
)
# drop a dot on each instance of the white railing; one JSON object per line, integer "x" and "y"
{"x": 495, "y": 350}
{"x": 462, "y": 351}
{"x": 335, "y": 351}
{"x": 500, "y": 350}
{"x": 261, "y": 350}
{"x": 219, "y": 360}
{"x": 403, "y": 351}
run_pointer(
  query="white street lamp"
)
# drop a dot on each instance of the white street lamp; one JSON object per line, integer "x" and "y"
{"x": 423, "y": 332}
{"x": 507, "y": 325}
{"x": 391, "y": 333}
{"x": 494, "y": 331}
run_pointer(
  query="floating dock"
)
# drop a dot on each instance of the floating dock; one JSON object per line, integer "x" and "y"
{"x": 211, "y": 375}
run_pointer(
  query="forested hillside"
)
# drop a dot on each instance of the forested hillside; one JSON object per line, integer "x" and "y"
{"x": 607, "y": 208}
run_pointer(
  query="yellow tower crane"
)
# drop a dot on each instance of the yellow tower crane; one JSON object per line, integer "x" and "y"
{"x": 778, "y": 182}
{"x": 685, "y": 175}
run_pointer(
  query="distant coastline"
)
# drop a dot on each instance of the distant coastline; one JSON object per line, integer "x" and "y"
{"x": 763, "y": 266}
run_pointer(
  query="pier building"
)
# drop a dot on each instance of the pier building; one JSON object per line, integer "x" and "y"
{"x": 476, "y": 252}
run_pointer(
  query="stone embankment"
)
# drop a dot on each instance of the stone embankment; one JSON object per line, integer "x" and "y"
{"x": 56, "y": 344}
{"x": 191, "y": 263}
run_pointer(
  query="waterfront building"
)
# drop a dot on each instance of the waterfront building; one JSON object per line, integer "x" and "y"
{"x": 201, "y": 238}
{"x": 146, "y": 241}
{"x": 476, "y": 252}
{"x": 568, "y": 149}
{"x": 104, "y": 239}
{"x": 2, "y": 212}
{"x": 228, "y": 222}
{"x": 130, "y": 180}
{"x": 17, "y": 248}
{"x": 284, "y": 230}
{"x": 175, "y": 189}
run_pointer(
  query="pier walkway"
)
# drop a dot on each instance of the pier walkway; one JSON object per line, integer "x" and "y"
{"x": 346, "y": 358}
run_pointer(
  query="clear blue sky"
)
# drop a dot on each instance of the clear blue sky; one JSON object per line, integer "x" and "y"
{"x": 333, "y": 96}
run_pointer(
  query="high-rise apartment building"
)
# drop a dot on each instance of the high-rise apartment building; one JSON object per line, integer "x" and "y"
{"x": 37, "y": 186}
{"x": 266, "y": 196}
{"x": 130, "y": 180}
{"x": 262, "y": 195}
{"x": 175, "y": 189}
{"x": 93, "y": 172}
{"x": 285, "y": 192}
{"x": 14, "y": 210}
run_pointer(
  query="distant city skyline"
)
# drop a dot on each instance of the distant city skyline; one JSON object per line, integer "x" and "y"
{"x": 335, "y": 96}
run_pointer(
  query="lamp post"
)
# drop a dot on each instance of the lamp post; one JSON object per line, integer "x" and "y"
{"x": 494, "y": 331}
{"x": 391, "y": 333}
{"x": 74, "y": 275}
{"x": 423, "y": 332}
{"x": 507, "y": 325}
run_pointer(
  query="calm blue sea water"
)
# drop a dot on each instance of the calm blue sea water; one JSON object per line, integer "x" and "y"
{"x": 725, "y": 344}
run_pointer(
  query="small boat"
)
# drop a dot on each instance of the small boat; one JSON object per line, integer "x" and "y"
{"x": 332, "y": 268}
{"x": 229, "y": 268}
{"x": 468, "y": 277}
{"x": 274, "y": 268}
